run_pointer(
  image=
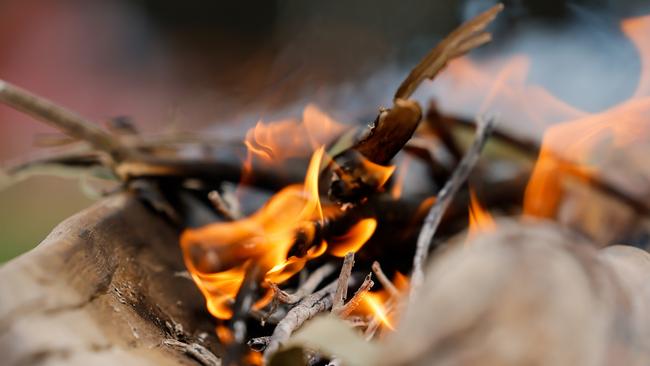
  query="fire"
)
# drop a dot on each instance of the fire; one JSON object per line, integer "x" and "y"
{"x": 573, "y": 148}
{"x": 218, "y": 255}
{"x": 277, "y": 141}
{"x": 575, "y": 142}
{"x": 479, "y": 219}
{"x": 382, "y": 305}
{"x": 375, "y": 302}
{"x": 354, "y": 239}
{"x": 398, "y": 185}
{"x": 378, "y": 173}
{"x": 264, "y": 238}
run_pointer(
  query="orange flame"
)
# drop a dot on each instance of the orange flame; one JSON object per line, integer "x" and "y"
{"x": 265, "y": 237}
{"x": 377, "y": 173}
{"x": 381, "y": 305}
{"x": 354, "y": 239}
{"x": 398, "y": 185}
{"x": 218, "y": 255}
{"x": 575, "y": 142}
{"x": 375, "y": 302}
{"x": 479, "y": 219}
{"x": 573, "y": 148}
{"x": 277, "y": 141}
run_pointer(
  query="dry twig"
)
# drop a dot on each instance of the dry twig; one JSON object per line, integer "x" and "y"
{"x": 445, "y": 196}
{"x": 69, "y": 122}
{"x": 307, "y": 288}
{"x": 307, "y": 308}
{"x": 354, "y": 302}
{"x": 342, "y": 284}
{"x": 468, "y": 36}
{"x": 383, "y": 279}
{"x": 197, "y": 351}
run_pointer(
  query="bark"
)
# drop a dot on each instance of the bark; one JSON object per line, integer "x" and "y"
{"x": 102, "y": 289}
{"x": 528, "y": 295}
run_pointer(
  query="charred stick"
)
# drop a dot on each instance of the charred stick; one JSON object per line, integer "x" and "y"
{"x": 342, "y": 284}
{"x": 466, "y": 37}
{"x": 442, "y": 127}
{"x": 236, "y": 350}
{"x": 532, "y": 149}
{"x": 521, "y": 144}
{"x": 354, "y": 302}
{"x": 352, "y": 179}
{"x": 63, "y": 119}
{"x": 306, "y": 309}
{"x": 444, "y": 199}
{"x": 383, "y": 279}
{"x": 258, "y": 344}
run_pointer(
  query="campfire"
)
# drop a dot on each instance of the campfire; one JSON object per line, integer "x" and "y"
{"x": 403, "y": 240}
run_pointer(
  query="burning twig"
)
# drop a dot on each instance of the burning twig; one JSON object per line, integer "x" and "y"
{"x": 349, "y": 307}
{"x": 243, "y": 303}
{"x": 470, "y": 35}
{"x": 447, "y": 193}
{"x": 197, "y": 351}
{"x": 342, "y": 284}
{"x": 383, "y": 279}
{"x": 307, "y": 308}
{"x": 353, "y": 179}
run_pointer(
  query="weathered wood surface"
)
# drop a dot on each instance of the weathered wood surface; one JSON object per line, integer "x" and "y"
{"x": 101, "y": 289}
{"x": 529, "y": 295}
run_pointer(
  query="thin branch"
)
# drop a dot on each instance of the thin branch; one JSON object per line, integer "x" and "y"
{"x": 383, "y": 279}
{"x": 197, "y": 351}
{"x": 307, "y": 288}
{"x": 444, "y": 199}
{"x": 307, "y": 308}
{"x": 342, "y": 284}
{"x": 63, "y": 119}
{"x": 466, "y": 37}
{"x": 244, "y": 300}
{"x": 354, "y": 302}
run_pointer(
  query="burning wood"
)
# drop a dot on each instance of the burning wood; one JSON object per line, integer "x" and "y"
{"x": 261, "y": 273}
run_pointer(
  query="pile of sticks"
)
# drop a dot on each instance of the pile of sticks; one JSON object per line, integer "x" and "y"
{"x": 163, "y": 175}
